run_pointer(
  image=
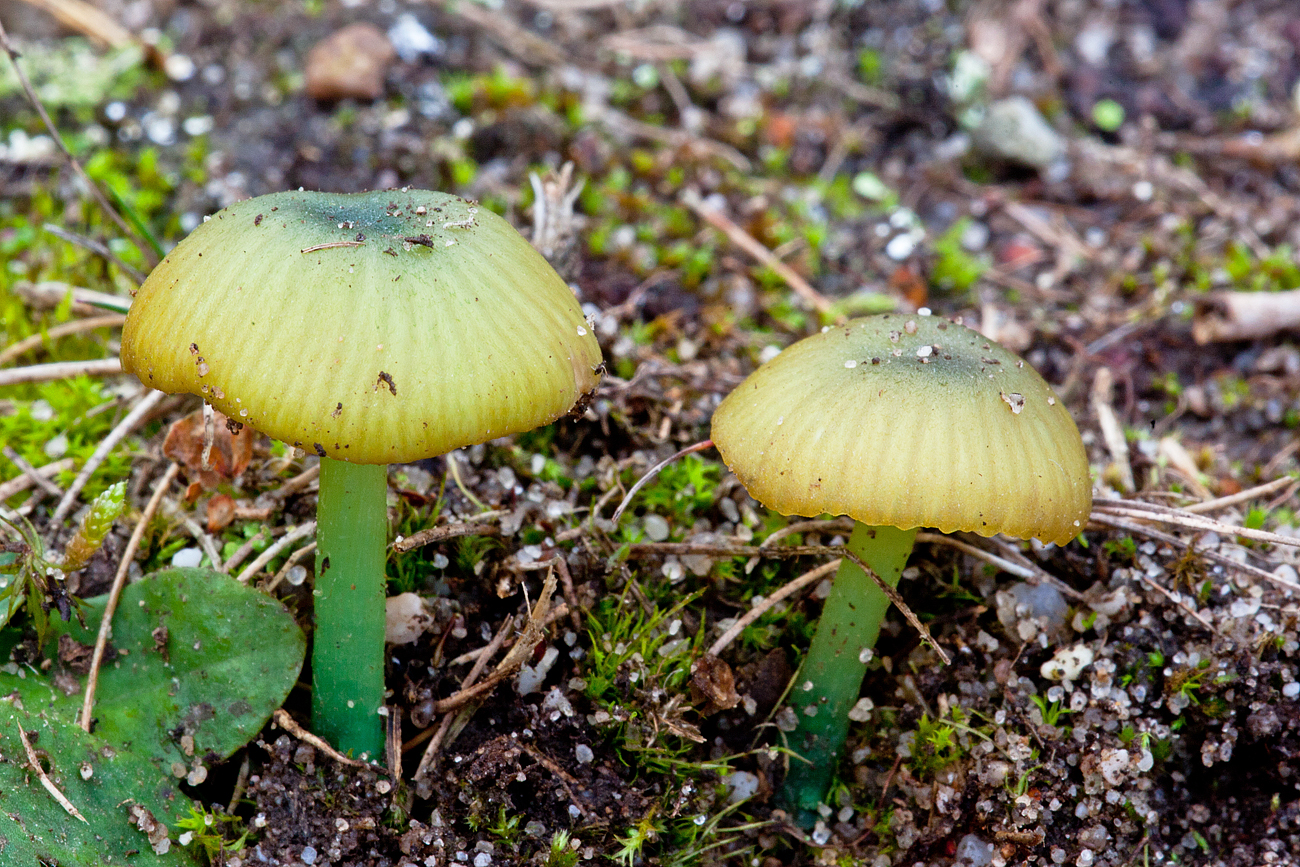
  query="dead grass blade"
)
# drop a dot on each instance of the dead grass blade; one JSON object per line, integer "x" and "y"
{"x": 115, "y": 593}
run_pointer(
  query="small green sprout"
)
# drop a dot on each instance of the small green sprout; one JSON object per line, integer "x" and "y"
{"x": 1051, "y": 713}
{"x": 562, "y": 854}
{"x": 1108, "y": 115}
{"x": 646, "y": 830}
{"x": 207, "y": 832}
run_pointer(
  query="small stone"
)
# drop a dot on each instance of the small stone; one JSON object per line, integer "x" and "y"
{"x": 411, "y": 39}
{"x": 187, "y": 558}
{"x": 1014, "y": 131}
{"x": 1068, "y": 663}
{"x": 974, "y": 852}
{"x": 349, "y": 63}
{"x": 656, "y": 528}
{"x": 741, "y": 786}
{"x": 405, "y": 618}
{"x": 900, "y": 247}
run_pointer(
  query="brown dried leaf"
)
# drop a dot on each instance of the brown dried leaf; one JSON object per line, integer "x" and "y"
{"x": 221, "y": 511}
{"x": 231, "y": 449}
{"x": 713, "y": 686}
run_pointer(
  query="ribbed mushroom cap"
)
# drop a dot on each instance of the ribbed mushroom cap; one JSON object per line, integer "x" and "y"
{"x": 375, "y": 328}
{"x": 908, "y": 421}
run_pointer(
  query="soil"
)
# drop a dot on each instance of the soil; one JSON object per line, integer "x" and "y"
{"x": 1095, "y": 257}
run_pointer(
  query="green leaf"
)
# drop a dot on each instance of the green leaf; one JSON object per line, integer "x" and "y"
{"x": 100, "y": 781}
{"x": 202, "y": 662}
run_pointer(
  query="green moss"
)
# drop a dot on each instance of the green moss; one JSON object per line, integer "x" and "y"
{"x": 955, "y": 269}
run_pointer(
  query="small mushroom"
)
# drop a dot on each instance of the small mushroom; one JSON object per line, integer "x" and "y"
{"x": 367, "y": 329}
{"x": 899, "y": 422}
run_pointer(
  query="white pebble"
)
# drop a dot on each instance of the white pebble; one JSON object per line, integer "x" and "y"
{"x": 900, "y": 247}
{"x": 187, "y": 558}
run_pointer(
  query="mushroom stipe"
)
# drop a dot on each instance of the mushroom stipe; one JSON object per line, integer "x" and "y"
{"x": 433, "y": 333}
{"x": 899, "y": 422}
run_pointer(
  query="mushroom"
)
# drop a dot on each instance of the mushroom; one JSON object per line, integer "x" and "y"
{"x": 367, "y": 329}
{"x": 899, "y": 422}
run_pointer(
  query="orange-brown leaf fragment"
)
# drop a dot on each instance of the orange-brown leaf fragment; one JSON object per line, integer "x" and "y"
{"x": 231, "y": 450}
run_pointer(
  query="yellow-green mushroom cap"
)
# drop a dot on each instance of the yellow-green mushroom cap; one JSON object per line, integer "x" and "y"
{"x": 908, "y": 421}
{"x": 374, "y": 328}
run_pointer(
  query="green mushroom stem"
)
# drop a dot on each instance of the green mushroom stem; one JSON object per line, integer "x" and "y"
{"x": 831, "y": 677}
{"x": 348, "y": 644}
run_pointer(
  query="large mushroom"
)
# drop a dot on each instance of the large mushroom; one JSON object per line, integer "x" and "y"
{"x": 899, "y": 422}
{"x": 367, "y": 329}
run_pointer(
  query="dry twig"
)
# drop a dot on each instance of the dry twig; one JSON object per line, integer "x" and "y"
{"x": 76, "y": 326}
{"x": 664, "y": 548}
{"x": 789, "y": 589}
{"x": 33, "y": 475}
{"x": 429, "y": 535}
{"x": 1224, "y": 316}
{"x": 115, "y": 593}
{"x": 133, "y": 419}
{"x": 34, "y": 762}
{"x": 21, "y": 483}
{"x": 59, "y": 370}
{"x": 286, "y": 722}
{"x": 1156, "y": 513}
{"x": 654, "y": 471}
{"x": 469, "y": 691}
{"x": 302, "y": 531}
{"x": 745, "y": 241}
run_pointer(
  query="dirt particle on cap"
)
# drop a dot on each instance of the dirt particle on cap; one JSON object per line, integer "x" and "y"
{"x": 386, "y": 379}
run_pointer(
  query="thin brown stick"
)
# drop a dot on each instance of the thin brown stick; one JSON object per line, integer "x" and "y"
{"x": 21, "y": 483}
{"x": 87, "y": 20}
{"x": 31, "y": 472}
{"x": 34, "y": 763}
{"x": 85, "y": 302}
{"x": 133, "y": 419}
{"x": 750, "y": 245}
{"x": 1140, "y": 511}
{"x": 780, "y": 552}
{"x": 893, "y": 597}
{"x": 289, "y": 563}
{"x": 654, "y": 471}
{"x": 1038, "y": 574}
{"x": 431, "y": 751}
{"x": 297, "y": 483}
{"x": 302, "y": 531}
{"x": 664, "y": 548}
{"x": 76, "y": 326}
{"x": 286, "y": 722}
{"x": 1175, "y": 542}
{"x": 789, "y": 589}
{"x": 570, "y": 593}
{"x": 101, "y": 250}
{"x": 1176, "y": 600}
{"x": 835, "y": 525}
{"x": 240, "y": 554}
{"x": 59, "y": 370}
{"x": 100, "y": 198}
{"x": 1255, "y": 493}
{"x": 115, "y": 593}
{"x": 561, "y": 610}
{"x": 331, "y": 245}
{"x": 429, "y": 535}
